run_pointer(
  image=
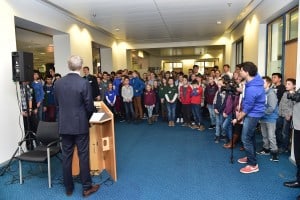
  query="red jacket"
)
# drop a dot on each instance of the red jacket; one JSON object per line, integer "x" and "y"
{"x": 196, "y": 95}
{"x": 185, "y": 94}
{"x": 149, "y": 98}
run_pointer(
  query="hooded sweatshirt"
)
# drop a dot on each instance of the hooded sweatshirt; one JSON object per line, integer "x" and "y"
{"x": 254, "y": 98}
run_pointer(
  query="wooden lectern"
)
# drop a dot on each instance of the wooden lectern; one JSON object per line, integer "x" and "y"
{"x": 102, "y": 144}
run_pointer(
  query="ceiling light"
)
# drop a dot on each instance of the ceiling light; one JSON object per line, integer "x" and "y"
{"x": 219, "y": 22}
{"x": 117, "y": 29}
{"x": 42, "y": 53}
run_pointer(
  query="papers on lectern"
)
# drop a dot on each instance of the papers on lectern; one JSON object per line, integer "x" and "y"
{"x": 96, "y": 117}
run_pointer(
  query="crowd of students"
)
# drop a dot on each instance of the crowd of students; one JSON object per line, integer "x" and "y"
{"x": 181, "y": 99}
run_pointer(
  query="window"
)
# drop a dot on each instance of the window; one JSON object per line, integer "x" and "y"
{"x": 239, "y": 51}
{"x": 275, "y": 46}
{"x": 293, "y": 24}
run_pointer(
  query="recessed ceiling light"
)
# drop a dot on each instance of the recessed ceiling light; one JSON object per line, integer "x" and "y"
{"x": 42, "y": 53}
{"x": 219, "y": 22}
{"x": 117, "y": 29}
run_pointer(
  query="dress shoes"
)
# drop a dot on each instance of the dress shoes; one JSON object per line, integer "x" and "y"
{"x": 94, "y": 188}
{"x": 292, "y": 184}
{"x": 69, "y": 192}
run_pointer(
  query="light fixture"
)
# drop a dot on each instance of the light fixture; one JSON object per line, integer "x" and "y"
{"x": 42, "y": 53}
{"x": 219, "y": 22}
{"x": 117, "y": 29}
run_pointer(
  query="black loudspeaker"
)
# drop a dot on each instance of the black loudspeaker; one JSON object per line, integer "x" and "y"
{"x": 22, "y": 66}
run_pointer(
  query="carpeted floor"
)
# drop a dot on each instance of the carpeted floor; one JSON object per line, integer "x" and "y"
{"x": 158, "y": 162}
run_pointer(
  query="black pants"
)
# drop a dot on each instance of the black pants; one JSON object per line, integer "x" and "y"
{"x": 186, "y": 113}
{"x": 82, "y": 143}
{"x": 297, "y": 151}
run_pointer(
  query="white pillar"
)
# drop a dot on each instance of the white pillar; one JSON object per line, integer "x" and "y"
{"x": 62, "y": 51}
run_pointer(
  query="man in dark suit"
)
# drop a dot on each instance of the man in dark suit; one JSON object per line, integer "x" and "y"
{"x": 93, "y": 82}
{"x": 73, "y": 96}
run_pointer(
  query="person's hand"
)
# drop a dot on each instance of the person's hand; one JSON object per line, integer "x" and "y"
{"x": 287, "y": 118}
{"x": 234, "y": 121}
{"x": 45, "y": 109}
{"x": 225, "y": 115}
{"x": 24, "y": 114}
{"x": 216, "y": 111}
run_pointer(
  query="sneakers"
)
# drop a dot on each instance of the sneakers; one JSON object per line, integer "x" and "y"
{"x": 223, "y": 138}
{"x": 181, "y": 120}
{"x": 243, "y": 160}
{"x": 274, "y": 157}
{"x": 201, "y": 128}
{"x": 194, "y": 126}
{"x": 178, "y": 120}
{"x": 212, "y": 127}
{"x": 264, "y": 151}
{"x": 217, "y": 139}
{"x": 249, "y": 169}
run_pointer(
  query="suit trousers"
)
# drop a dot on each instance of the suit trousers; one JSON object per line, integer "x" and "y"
{"x": 82, "y": 143}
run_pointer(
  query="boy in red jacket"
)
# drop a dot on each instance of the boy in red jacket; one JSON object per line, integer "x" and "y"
{"x": 185, "y": 99}
{"x": 196, "y": 97}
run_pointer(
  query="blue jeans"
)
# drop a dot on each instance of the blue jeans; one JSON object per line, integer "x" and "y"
{"x": 129, "y": 111}
{"x": 219, "y": 122}
{"x": 227, "y": 126}
{"x": 212, "y": 114}
{"x": 283, "y": 131}
{"x": 196, "y": 113}
{"x": 248, "y": 138}
{"x": 171, "y": 107}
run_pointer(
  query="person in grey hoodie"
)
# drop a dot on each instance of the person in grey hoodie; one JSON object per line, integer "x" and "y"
{"x": 283, "y": 126}
{"x": 268, "y": 122}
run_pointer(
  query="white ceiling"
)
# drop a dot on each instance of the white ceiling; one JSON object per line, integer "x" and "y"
{"x": 151, "y": 21}
{"x": 145, "y": 21}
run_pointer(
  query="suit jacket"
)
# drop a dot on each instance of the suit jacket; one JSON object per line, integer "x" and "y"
{"x": 94, "y": 84}
{"x": 73, "y": 96}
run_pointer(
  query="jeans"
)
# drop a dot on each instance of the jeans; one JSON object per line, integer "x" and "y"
{"x": 227, "y": 126}
{"x": 269, "y": 137}
{"x": 171, "y": 107}
{"x": 129, "y": 111}
{"x": 219, "y": 122}
{"x": 212, "y": 114}
{"x": 283, "y": 130}
{"x": 149, "y": 110}
{"x": 196, "y": 113}
{"x": 248, "y": 139}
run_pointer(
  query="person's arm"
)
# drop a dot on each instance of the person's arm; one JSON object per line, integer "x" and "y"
{"x": 271, "y": 103}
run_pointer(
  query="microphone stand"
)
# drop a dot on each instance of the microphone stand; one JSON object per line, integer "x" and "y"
{"x": 27, "y": 133}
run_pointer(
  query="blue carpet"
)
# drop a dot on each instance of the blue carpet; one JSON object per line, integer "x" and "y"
{"x": 161, "y": 162}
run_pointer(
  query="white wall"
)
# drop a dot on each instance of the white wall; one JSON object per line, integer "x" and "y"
{"x": 77, "y": 40}
{"x": 9, "y": 123}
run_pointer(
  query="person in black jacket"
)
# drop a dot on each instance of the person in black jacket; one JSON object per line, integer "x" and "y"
{"x": 73, "y": 96}
{"x": 93, "y": 82}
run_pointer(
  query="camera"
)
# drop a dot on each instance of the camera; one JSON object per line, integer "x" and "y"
{"x": 230, "y": 86}
{"x": 294, "y": 96}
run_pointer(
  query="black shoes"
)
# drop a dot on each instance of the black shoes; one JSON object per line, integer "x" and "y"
{"x": 93, "y": 189}
{"x": 212, "y": 127}
{"x": 292, "y": 184}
